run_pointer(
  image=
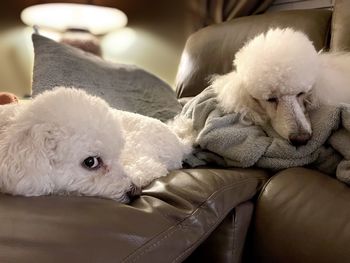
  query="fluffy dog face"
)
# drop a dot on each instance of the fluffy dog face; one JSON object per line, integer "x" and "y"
{"x": 288, "y": 116}
{"x": 65, "y": 141}
{"x": 273, "y": 81}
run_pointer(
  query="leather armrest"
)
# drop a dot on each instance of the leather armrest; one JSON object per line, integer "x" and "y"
{"x": 302, "y": 215}
{"x": 171, "y": 218}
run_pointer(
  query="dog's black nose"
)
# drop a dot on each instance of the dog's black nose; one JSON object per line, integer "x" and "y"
{"x": 299, "y": 139}
{"x": 134, "y": 192}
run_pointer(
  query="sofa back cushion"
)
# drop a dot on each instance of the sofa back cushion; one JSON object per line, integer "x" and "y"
{"x": 340, "y": 39}
{"x": 211, "y": 50}
{"x": 124, "y": 87}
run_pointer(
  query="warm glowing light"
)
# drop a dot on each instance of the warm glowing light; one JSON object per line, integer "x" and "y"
{"x": 61, "y": 16}
{"x": 119, "y": 41}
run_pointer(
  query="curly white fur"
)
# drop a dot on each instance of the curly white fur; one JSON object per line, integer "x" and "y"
{"x": 43, "y": 145}
{"x": 279, "y": 77}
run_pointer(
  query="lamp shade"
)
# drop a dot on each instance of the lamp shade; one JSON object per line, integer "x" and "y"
{"x": 98, "y": 20}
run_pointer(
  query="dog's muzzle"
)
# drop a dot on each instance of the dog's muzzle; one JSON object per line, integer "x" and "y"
{"x": 134, "y": 192}
{"x": 299, "y": 139}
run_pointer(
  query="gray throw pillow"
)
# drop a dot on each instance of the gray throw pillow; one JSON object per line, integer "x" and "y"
{"x": 124, "y": 87}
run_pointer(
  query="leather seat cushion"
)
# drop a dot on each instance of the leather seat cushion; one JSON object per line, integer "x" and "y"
{"x": 302, "y": 215}
{"x": 171, "y": 218}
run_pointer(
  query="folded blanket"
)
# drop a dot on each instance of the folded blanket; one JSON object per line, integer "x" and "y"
{"x": 230, "y": 141}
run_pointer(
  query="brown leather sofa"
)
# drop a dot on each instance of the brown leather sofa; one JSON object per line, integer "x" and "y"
{"x": 204, "y": 214}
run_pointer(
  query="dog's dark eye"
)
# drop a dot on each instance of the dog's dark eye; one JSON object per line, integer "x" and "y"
{"x": 272, "y": 100}
{"x": 92, "y": 163}
{"x": 300, "y": 94}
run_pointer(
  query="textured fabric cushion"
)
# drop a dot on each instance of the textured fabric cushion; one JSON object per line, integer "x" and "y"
{"x": 124, "y": 87}
{"x": 212, "y": 49}
{"x": 171, "y": 218}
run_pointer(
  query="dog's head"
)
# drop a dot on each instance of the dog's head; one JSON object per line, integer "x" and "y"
{"x": 65, "y": 141}
{"x": 273, "y": 80}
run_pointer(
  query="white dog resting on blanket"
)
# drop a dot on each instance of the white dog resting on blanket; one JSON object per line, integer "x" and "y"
{"x": 279, "y": 77}
{"x": 66, "y": 141}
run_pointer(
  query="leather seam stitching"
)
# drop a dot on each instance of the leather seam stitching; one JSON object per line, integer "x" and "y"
{"x": 196, "y": 212}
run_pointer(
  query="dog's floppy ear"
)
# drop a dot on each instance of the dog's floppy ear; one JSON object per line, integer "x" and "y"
{"x": 43, "y": 140}
{"x": 233, "y": 97}
{"x": 27, "y": 153}
{"x": 228, "y": 90}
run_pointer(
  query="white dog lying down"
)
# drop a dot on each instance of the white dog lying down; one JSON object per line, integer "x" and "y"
{"x": 279, "y": 77}
{"x": 66, "y": 141}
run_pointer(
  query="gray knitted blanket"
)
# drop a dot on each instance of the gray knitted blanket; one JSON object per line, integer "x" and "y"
{"x": 229, "y": 141}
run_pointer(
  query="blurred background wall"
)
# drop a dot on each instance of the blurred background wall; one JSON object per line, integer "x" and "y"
{"x": 153, "y": 39}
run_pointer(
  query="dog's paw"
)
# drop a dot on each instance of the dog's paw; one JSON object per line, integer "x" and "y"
{"x": 144, "y": 170}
